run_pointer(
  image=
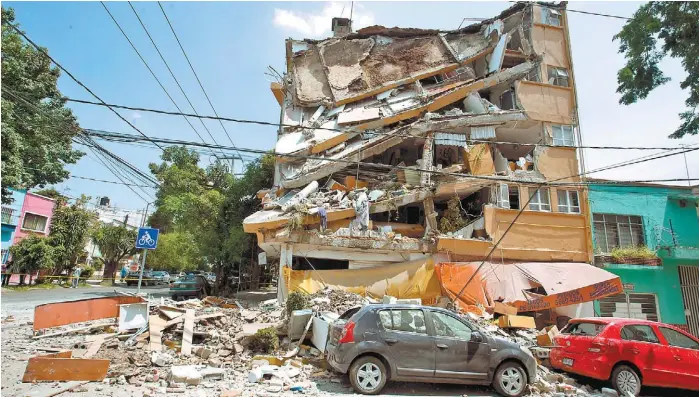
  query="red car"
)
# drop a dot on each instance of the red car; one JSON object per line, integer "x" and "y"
{"x": 629, "y": 353}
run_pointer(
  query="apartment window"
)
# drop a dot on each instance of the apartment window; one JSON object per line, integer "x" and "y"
{"x": 4, "y": 253}
{"x": 568, "y": 201}
{"x": 549, "y": 16}
{"x": 533, "y": 75}
{"x": 507, "y": 196}
{"x": 6, "y": 214}
{"x": 33, "y": 222}
{"x": 507, "y": 100}
{"x": 612, "y": 231}
{"x": 563, "y": 135}
{"x": 558, "y": 76}
{"x": 540, "y": 200}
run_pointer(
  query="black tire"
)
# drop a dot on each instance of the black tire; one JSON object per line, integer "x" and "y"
{"x": 375, "y": 382}
{"x": 626, "y": 380}
{"x": 510, "y": 379}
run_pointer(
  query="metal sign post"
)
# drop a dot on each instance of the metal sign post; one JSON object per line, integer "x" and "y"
{"x": 146, "y": 239}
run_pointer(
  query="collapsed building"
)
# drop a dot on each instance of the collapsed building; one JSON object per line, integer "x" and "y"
{"x": 401, "y": 144}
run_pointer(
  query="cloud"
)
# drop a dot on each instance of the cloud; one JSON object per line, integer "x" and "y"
{"x": 135, "y": 116}
{"x": 318, "y": 25}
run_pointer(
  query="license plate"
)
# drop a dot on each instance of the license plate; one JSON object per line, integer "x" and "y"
{"x": 568, "y": 362}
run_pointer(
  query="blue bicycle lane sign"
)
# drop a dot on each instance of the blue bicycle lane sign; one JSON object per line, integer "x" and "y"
{"x": 147, "y": 238}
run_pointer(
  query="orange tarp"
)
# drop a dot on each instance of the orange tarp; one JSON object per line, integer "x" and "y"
{"x": 61, "y": 367}
{"x": 62, "y": 313}
{"x": 564, "y": 283}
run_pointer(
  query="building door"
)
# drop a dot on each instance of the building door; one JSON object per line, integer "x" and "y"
{"x": 630, "y": 305}
{"x": 689, "y": 283}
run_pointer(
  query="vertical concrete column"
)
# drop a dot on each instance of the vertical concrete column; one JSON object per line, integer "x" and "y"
{"x": 285, "y": 257}
{"x": 430, "y": 215}
{"x": 427, "y": 159}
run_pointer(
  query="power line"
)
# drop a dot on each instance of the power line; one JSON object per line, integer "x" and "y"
{"x": 41, "y": 50}
{"x": 390, "y": 167}
{"x": 171, "y": 72}
{"x": 194, "y": 72}
{"x": 151, "y": 71}
{"x": 272, "y": 124}
{"x": 580, "y": 12}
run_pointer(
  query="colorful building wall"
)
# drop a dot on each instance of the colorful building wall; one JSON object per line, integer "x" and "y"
{"x": 34, "y": 205}
{"x": 670, "y": 228}
{"x": 10, "y": 218}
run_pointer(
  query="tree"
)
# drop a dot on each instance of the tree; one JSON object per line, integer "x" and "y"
{"x": 37, "y": 127}
{"x": 71, "y": 227}
{"x": 675, "y": 25}
{"x": 176, "y": 252}
{"x": 52, "y": 193}
{"x": 32, "y": 254}
{"x": 115, "y": 243}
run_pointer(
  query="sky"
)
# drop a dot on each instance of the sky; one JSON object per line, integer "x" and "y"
{"x": 231, "y": 44}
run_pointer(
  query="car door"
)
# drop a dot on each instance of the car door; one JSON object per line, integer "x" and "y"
{"x": 457, "y": 354}
{"x": 638, "y": 345}
{"x": 679, "y": 361}
{"x": 404, "y": 332}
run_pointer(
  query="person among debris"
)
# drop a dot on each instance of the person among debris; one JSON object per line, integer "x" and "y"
{"x": 323, "y": 218}
{"x": 76, "y": 276}
{"x": 361, "y": 207}
{"x": 124, "y": 273}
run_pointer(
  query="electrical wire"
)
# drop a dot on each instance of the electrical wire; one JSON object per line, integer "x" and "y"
{"x": 42, "y": 51}
{"x": 165, "y": 112}
{"x": 194, "y": 72}
{"x": 171, "y": 72}
{"x": 151, "y": 71}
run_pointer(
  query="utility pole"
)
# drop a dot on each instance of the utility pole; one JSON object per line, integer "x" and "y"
{"x": 686, "y": 167}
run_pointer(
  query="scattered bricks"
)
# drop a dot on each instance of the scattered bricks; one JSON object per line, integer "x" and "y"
{"x": 224, "y": 353}
{"x": 202, "y": 352}
{"x": 214, "y": 362}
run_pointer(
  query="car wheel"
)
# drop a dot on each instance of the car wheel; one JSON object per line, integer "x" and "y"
{"x": 368, "y": 375}
{"x": 626, "y": 381}
{"x": 510, "y": 380}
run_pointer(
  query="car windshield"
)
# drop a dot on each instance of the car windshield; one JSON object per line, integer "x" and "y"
{"x": 583, "y": 328}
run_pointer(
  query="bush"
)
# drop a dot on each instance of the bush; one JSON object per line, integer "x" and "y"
{"x": 39, "y": 280}
{"x": 631, "y": 253}
{"x": 87, "y": 272}
{"x": 296, "y": 301}
{"x": 265, "y": 340}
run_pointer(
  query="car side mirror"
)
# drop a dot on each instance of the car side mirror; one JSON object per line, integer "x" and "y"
{"x": 477, "y": 337}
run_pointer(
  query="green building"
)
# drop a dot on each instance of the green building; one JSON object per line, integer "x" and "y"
{"x": 649, "y": 236}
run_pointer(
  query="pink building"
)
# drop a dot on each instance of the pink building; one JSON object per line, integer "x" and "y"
{"x": 35, "y": 216}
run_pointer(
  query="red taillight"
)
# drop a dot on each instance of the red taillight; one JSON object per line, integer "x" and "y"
{"x": 347, "y": 333}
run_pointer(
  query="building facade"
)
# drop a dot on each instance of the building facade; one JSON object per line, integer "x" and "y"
{"x": 10, "y": 219}
{"x": 649, "y": 236}
{"x": 403, "y": 144}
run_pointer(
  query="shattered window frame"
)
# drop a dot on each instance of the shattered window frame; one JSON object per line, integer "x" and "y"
{"x": 639, "y": 333}
{"x": 550, "y": 17}
{"x": 537, "y": 204}
{"x": 684, "y": 341}
{"x": 502, "y": 199}
{"x": 565, "y": 201}
{"x": 558, "y": 76}
{"x": 562, "y": 135}
{"x": 610, "y": 231}
{"x": 394, "y": 314}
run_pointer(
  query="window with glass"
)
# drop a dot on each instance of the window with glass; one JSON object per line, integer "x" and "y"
{"x": 403, "y": 320}
{"x": 617, "y": 231}
{"x": 549, "y": 16}
{"x": 563, "y": 135}
{"x": 558, "y": 76}
{"x": 583, "y": 328}
{"x": 678, "y": 339}
{"x": 640, "y": 333}
{"x": 34, "y": 222}
{"x": 568, "y": 201}
{"x": 6, "y": 214}
{"x": 540, "y": 199}
{"x": 448, "y": 326}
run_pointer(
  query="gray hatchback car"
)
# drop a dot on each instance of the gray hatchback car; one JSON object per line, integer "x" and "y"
{"x": 377, "y": 343}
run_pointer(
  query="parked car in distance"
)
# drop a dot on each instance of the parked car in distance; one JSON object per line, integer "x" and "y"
{"x": 630, "y": 353}
{"x": 191, "y": 285}
{"x": 132, "y": 278}
{"x": 378, "y": 342}
{"x": 211, "y": 277}
{"x": 161, "y": 276}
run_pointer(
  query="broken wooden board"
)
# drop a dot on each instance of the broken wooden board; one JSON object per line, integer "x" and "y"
{"x": 62, "y": 367}
{"x": 188, "y": 332}
{"x": 196, "y": 319}
{"x": 96, "y": 344}
{"x": 62, "y": 313}
{"x": 70, "y": 331}
{"x": 171, "y": 312}
{"x": 156, "y": 324}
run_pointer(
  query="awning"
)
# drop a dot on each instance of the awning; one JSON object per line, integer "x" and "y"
{"x": 530, "y": 286}
{"x": 447, "y": 139}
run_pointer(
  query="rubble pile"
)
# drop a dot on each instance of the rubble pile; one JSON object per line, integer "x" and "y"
{"x": 336, "y": 301}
